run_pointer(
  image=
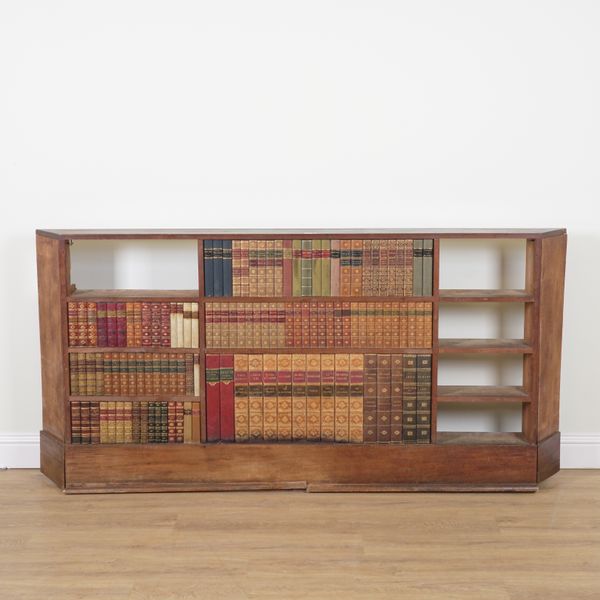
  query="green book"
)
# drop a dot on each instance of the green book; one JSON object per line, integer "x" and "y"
{"x": 306, "y": 268}
{"x": 417, "y": 268}
{"x": 326, "y": 268}
{"x": 296, "y": 268}
{"x": 427, "y": 267}
{"x": 317, "y": 268}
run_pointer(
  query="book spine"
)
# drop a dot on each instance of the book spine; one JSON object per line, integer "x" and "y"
{"x": 261, "y": 253}
{"x": 345, "y": 267}
{"x": 195, "y": 325}
{"x": 427, "y": 268}
{"x": 370, "y": 399}
{"x": 278, "y": 268}
{"x": 217, "y": 267}
{"x": 356, "y": 272}
{"x": 92, "y": 322}
{"x": 253, "y": 267}
{"x": 317, "y": 268}
{"x": 335, "y": 268}
{"x": 342, "y": 398}
{"x": 367, "y": 273}
{"x": 338, "y": 329}
{"x": 375, "y": 268}
{"x": 155, "y": 327}
{"x": 417, "y": 268}
{"x": 296, "y": 268}
{"x": 244, "y": 268}
{"x": 270, "y": 397}
{"x": 103, "y": 422}
{"x": 287, "y": 267}
{"x": 102, "y": 325}
{"x": 74, "y": 374}
{"x": 288, "y": 333}
{"x": 227, "y": 268}
{"x": 284, "y": 397}
{"x": 241, "y": 382}
{"x": 255, "y": 396}
{"x": 236, "y": 267}
{"x": 213, "y": 400}
{"x": 306, "y": 268}
{"x": 73, "y": 327}
{"x": 396, "y": 398}
{"x": 329, "y": 325}
{"x": 313, "y": 397}
{"x": 187, "y": 325}
{"x": 129, "y": 334}
{"x": 165, "y": 325}
{"x": 412, "y": 325}
{"x": 356, "y": 424}
{"x": 85, "y": 422}
{"x": 270, "y": 268}
{"x": 75, "y": 422}
{"x": 299, "y": 397}
{"x": 387, "y": 324}
{"x": 325, "y": 267}
{"x": 111, "y": 324}
{"x": 226, "y": 397}
{"x": 408, "y": 267}
{"x": 384, "y": 268}
{"x": 383, "y": 398}
{"x": 94, "y": 422}
{"x": 428, "y": 325}
{"x": 346, "y": 325}
{"x": 196, "y": 361}
{"x": 423, "y": 413}
{"x": 409, "y": 413}
{"x": 82, "y": 336}
{"x": 196, "y": 422}
{"x": 328, "y": 397}
{"x": 321, "y": 325}
{"x": 393, "y": 268}
{"x": 209, "y": 289}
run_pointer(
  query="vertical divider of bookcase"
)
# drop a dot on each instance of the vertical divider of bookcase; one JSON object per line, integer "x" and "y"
{"x": 64, "y": 261}
{"x": 533, "y": 271}
{"x": 435, "y": 337}
{"x": 202, "y": 339}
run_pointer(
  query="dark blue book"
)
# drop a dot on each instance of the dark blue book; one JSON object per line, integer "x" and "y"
{"x": 227, "y": 273}
{"x": 218, "y": 267}
{"x": 208, "y": 268}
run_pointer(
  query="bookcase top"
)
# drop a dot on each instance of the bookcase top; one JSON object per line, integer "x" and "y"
{"x": 106, "y": 234}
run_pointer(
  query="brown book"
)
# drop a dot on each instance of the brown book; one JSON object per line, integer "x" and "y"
{"x": 356, "y": 425}
{"x": 73, "y": 326}
{"x": 241, "y": 382}
{"x": 313, "y": 398}
{"x": 255, "y": 396}
{"x": 370, "y": 398}
{"x": 423, "y": 392}
{"x": 409, "y": 393}
{"x": 342, "y": 398}
{"x": 396, "y": 398}
{"x": 327, "y": 397}
{"x": 270, "y": 397}
{"x": 299, "y": 396}
{"x": 356, "y": 268}
{"x": 384, "y": 401}
{"x": 236, "y": 267}
{"x": 75, "y": 422}
{"x": 345, "y": 267}
{"x": 284, "y": 397}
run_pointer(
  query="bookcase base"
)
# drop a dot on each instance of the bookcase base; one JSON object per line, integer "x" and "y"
{"x": 310, "y": 467}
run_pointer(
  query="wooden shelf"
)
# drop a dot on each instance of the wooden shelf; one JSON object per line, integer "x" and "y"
{"x": 228, "y": 299}
{"x": 148, "y": 295}
{"x": 478, "y": 437}
{"x": 484, "y": 346}
{"x": 481, "y": 393}
{"x": 155, "y": 398}
{"x": 323, "y": 350}
{"x": 485, "y": 296}
{"x": 152, "y": 349}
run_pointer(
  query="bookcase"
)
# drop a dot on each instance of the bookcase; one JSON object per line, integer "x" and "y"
{"x": 301, "y": 360}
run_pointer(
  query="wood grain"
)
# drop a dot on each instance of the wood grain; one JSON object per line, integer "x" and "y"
{"x": 297, "y": 546}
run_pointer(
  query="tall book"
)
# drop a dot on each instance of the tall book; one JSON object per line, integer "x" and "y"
{"x": 328, "y": 397}
{"x": 255, "y": 396}
{"x": 284, "y": 397}
{"x": 355, "y": 427}
{"x": 342, "y": 398}
{"x": 226, "y": 396}
{"x": 287, "y": 277}
{"x": 313, "y": 397}
{"x": 384, "y": 400}
{"x": 423, "y": 413}
{"x": 427, "y": 268}
{"x": 241, "y": 385}
{"x": 418, "y": 268}
{"x": 227, "y": 268}
{"x": 335, "y": 268}
{"x": 409, "y": 413}
{"x": 370, "y": 398}
{"x": 317, "y": 268}
{"x": 345, "y": 267}
{"x": 396, "y": 398}
{"x": 270, "y": 397}
{"x": 356, "y": 268}
{"x": 218, "y": 267}
{"x": 213, "y": 419}
{"x": 209, "y": 289}
{"x": 306, "y": 268}
{"x": 297, "y": 267}
{"x": 325, "y": 267}
{"x": 298, "y": 397}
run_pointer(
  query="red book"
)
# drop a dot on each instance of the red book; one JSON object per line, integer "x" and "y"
{"x": 287, "y": 267}
{"x": 111, "y": 324}
{"x": 213, "y": 419}
{"x": 226, "y": 396}
{"x": 102, "y": 331}
{"x": 121, "y": 325}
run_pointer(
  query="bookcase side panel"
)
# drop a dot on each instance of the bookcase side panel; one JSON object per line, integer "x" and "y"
{"x": 550, "y": 333}
{"x": 51, "y": 273}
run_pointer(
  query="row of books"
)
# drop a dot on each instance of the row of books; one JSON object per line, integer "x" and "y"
{"x": 364, "y": 267}
{"x": 313, "y": 324}
{"x": 133, "y": 324}
{"x": 134, "y": 374}
{"x": 318, "y": 397}
{"x": 135, "y": 422}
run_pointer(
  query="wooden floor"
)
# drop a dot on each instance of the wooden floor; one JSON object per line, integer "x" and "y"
{"x": 296, "y": 545}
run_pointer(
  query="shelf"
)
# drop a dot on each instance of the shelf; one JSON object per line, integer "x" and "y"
{"x": 322, "y": 350}
{"x": 152, "y": 349}
{"x": 121, "y": 295}
{"x": 241, "y": 299}
{"x": 484, "y": 346}
{"x": 485, "y": 296}
{"x": 478, "y": 437}
{"x": 482, "y": 393}
{"x": 155, "y": 398}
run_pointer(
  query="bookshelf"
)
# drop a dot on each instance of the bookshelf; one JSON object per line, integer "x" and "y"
{"x": 194, "y": 457}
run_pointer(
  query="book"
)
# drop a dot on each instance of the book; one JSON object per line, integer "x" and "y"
{"x": 325, "y": 267}
{"x": 345, "y": 267}
{"x": 213, "y": 399}
{"x": 327, "y": 424}
{"x": 342, "y": 398}
{"x": 241, "y": 393}
{"x": 356, "y": 268}
{"x": 284, "y": 397}
{"x": 417, "y": 268}
{"x": 227, "y": 267}
{"x": 306, "y": 269}
{"x": 270, "y": 397}
{"x": 335, "y": 268}
{"x": 396, "y": 398}
{"x": 226, "y": 398}
{"x": 313, "y": 398}
{"x": 409, "y": 374}
{"x": 299, "y": 422}
{"x": 287, "y": 268}
{"x": 209, "y": 289}
{"x": 384, "y": 401}
{"x": 255, "y": 396}
{"x": 423, "y": 398}
{"x": 217, "y": 261}
{"x": 427, "y": 288}
{"x": 370, "y": 398}
{"x": 356, "y": 391}
{"x": 317, "y": 268}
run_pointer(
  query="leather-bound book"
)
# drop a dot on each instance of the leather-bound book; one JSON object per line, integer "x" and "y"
{"x": 236, "y": 268}
{"x": 74, "y": 374}
{"x": 367, "y": 272}
{"x": 155, "y": 324}
{"x": 165, "y": 325}
{"x": 354, "y": 324}
{"x": 195, "y": 326}
{"x": 217, "y": 267}
{"x": 244, "y": 268}
{"x": 196, "y": 360}
{"x": 412, "y": 325}
{"x": 209, "y": 289}
{"x": 356, "y": 425}
{"x": 346, "y": 325}
{"x": 321, "y": 325}
{"x": 104, "y": 439}
{"x": 409, "y": 415}
{"x": 82, "y": 327}
{"x": 423, "y": 413}
{"x": 102, "y": 324}
{"x": 213, "y": 419}
{"x": 299, "y": 397}
{"x": 297, "y": 268}
{"x": 306, "y": 268}
{"x": 428, "y": 324}
{"x": 240, "y": 376}
{"x": 196, "y": 422}
{"x": 288, "y": 316}
{"x": 313, "y": 316}
{"x": 370, "y": 398}
{"x": 92, "y": 324}
{"x": 356, "y": 268}
{"x": 255, "y": 396}
{"x": 342, "y": 398}
{"x": 313, "y": 397}
{"x": 325, "y": 267}
{"x": 345, "y": 267}
{"x": 226, "y": 395}
{"x": 393, "y": 268}
{"x": 129, "y": 335}
{"x": 75, "y": 422}
{"x": 387, "y": 324}
{"x": 335, "y": 268}
{"x": 378, "y": 324}
{"x": 284, "y": 397}
{"x": 189, "y": 374}
{"x": 73, "y": 327}
{"x": 329, "y": 325}
{"x": 111, "y": 324}
{"x": 86, "y": 434}
{"x": 269, "y": 268}
{"x": 94, "y": 422}
{"x": 278, "y": 268}
{"x": 375, "y": 268}
{"x": 395, "y": 325}
{"x": 396, "y": 398}
{"x": 427, "y": 289}
{"x": 384, "y": 399}
{"x": 253, "y": 267}
{"x": 384, "y": 268}
{"x": 270, "y": 397}
{"x": 261, "y": 261}
{"x": 418, "y": 268}
{"x": 408, "y": 263}
{"x": 298, "y": 325}
{"x": 305, "y": 310}
{"x": 317, "y": 268}
{"x": 287, "y": 268}
{"x": 327, "y": 397}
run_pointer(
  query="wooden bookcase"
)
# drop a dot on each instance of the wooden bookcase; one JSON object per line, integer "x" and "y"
{"x": 451, "y": 462}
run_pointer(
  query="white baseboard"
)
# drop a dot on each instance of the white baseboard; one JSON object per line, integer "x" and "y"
{"x": 22, "y": 451}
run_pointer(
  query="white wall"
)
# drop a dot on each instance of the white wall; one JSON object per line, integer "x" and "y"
{"x": 314, "y": 113}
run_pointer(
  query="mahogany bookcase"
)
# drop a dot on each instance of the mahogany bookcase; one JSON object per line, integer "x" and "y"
{"x": 472, "y": 461}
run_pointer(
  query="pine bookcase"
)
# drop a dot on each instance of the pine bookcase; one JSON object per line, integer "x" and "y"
{"x": 453, "y": 461}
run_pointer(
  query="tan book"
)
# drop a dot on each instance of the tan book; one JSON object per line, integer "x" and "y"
{"x": 240, "y": 380}
{"x": 236, "y": 267}
{"x": 187, "y": 422}
{"x": 244, "y": 269}
{"x": 255, "y": 396}
{"x": 187, "y": 324}
{"x": 262, "y": 267}
{"x": 328, "y": 397}
{"x": 284, "y": 397}
{"x": 313, "y": 397}
{"x": 253, "y": 267}
{"x": 342, "y": 397}
{"x": 278, "y": 268}
{"x": 270, "y": 397}
{"x": 355, "y": 427}
{"x": 196, "y": 374}
{"x": 180, "y": 326}
{"x": 299, "y": 396}
{"x": 195, "y": 326}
